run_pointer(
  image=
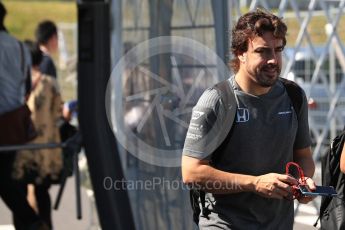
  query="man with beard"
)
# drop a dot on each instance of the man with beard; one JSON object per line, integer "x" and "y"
{"x": 245, "y": 185}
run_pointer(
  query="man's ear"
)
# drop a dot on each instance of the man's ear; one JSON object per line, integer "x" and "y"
{"x": 242, "y": 57}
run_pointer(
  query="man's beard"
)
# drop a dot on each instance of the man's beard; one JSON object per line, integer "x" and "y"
{"x": 266, "y": 78}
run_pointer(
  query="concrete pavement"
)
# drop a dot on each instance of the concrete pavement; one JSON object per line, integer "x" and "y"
{"x": 65, "y": 217}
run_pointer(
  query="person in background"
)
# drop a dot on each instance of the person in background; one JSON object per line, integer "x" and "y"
{"x": 247, "y": 187}
{"x": 47, "y": 37}
{"x": 70, "y": 110}
{"x": 14, "y": 56}
{"x": 42, "y": 166}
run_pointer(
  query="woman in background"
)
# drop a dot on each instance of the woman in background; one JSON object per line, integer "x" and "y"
{"x": 43, "y": 165}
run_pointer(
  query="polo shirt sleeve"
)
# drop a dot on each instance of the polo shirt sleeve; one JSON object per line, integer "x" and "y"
{"x": 201, "y": 138}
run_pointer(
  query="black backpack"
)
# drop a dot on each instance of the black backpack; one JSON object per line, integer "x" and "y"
{"x": 332, "y": 209}
{"x": 295, "y": 92}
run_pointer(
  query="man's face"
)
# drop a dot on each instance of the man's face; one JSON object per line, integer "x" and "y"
{"x": 262, "y": 62}
{"x": 53, "y": 43}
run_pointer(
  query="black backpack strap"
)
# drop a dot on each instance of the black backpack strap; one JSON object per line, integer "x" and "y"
{"x": 205, "y": 211}
{"x": 227, "y": 94}
{"x": 26, "y": 71}
{"x": 194, "y": 202}
{"x": 295, "y": 93}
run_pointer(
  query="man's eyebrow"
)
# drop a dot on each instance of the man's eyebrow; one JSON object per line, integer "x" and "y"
{"x": 267, "y": 47}
{"x": 262, "y": 47}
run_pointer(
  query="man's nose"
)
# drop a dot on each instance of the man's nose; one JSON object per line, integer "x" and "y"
{"x": 272, "y": 58}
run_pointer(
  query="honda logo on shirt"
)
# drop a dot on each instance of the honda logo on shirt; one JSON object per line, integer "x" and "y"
{"x": 242, "y": 115}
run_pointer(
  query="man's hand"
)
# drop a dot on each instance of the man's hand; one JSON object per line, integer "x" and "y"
{"x": 275, "y": 185}
{"x": 306, "y": 199}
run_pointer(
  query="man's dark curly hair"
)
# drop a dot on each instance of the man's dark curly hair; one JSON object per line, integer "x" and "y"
{"x": 45, "y": 31}
{"x": 253, "y": 24}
